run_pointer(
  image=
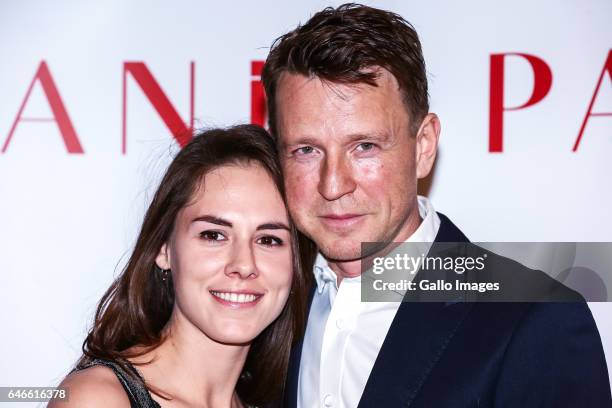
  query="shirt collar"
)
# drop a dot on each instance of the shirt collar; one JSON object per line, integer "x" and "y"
{"x": 426, "y": 232}
{"x": 323, "y": 273}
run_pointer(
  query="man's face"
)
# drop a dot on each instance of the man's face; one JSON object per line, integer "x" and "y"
{"x": 349, "y": 160}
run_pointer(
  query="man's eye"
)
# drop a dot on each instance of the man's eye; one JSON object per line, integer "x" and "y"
{"x": 213, "y": 236}
{"x": 364, "y": 147}
{"x": 303, "y": 150}
{"x": 270, "y": 241}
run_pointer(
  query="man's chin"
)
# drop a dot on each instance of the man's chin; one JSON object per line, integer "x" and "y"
{"x": 342, "y": 251}
{"x": 347, "y": 250}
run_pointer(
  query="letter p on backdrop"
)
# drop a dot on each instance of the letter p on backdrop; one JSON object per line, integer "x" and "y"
{"x": 542, "y": 81}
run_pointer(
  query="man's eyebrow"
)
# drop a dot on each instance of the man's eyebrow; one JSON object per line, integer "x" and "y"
{"x": 355, "y": 137}
{"x": 305, "y": 140}
{"x": 213, "y": 220}
{"x": 351, "y": 138}
{"x": 273, "y": 226}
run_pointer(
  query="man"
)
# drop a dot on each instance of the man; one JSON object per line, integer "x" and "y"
{"x": 347, "y": 100}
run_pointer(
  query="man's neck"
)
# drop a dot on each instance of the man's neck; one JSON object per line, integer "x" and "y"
{"x": 343, "y": 270}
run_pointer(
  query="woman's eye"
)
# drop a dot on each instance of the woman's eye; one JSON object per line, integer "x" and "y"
{"x": 270, "y": 241}
{"x": 212, "y": 236}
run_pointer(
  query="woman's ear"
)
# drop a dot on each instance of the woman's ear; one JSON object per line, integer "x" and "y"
{"x": 163, "y": 258}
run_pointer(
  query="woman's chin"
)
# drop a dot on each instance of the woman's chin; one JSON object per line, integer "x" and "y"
{"x": 235, "y": 334}
{"x": 234, "y": 339}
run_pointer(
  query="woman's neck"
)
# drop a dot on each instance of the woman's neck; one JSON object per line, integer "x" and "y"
{"x": 193, "y": 368}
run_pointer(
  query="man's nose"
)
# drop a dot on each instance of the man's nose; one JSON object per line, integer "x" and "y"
{"x": 242, "y": 261}
{"x": 336, "y": 178}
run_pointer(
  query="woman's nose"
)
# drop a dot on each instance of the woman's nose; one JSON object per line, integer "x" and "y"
{"x": 242, "y": 262}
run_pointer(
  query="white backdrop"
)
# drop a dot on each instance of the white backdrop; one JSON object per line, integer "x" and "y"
{"x": 69, "y": 220}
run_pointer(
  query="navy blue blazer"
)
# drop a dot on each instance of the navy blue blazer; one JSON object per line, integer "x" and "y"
{"x": 514, "y": 355}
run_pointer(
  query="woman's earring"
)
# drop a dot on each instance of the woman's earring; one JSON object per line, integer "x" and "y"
{"x": 165, "y": 273}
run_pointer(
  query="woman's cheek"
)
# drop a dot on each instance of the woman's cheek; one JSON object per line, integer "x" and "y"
{"x": 204, "y": 263}
{"x": 278, "y": 269}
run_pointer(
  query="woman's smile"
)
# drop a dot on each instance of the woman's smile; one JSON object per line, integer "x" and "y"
{"x": 237, "y": 299}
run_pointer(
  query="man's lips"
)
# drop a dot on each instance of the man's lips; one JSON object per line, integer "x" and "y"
{"x": 341, "y": 220}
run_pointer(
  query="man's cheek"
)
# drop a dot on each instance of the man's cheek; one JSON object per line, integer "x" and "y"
{"x": 299, "y": 185}
{"x": 296, "y": 197}
{"x": 369, "y": 169}
{"x": 372, "y": 179}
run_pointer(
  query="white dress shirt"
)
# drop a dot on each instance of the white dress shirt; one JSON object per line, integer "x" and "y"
{"x": 344, "y": 335}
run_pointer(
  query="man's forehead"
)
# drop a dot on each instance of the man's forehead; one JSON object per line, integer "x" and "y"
{"x": 291, "y": 84}
{"x": 309, "y": 105}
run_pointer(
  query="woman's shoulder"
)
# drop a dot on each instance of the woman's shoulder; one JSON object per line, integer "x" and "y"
{"x": 93, "y": 387}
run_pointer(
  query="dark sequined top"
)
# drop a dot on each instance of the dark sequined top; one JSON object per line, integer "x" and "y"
{"x": 137, "y": 392}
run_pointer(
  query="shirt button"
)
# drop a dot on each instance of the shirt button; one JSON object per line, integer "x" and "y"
{"x": 340, "y": 324}
{"x": 328, "y": 401}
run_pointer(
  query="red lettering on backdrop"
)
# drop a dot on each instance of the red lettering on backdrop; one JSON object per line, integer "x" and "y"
{"x": 607, "y": 68}
{"x": 258, "y": 99}
{"x": 542, "y": 81}
{"x": 181, "y": 132}
{"x": 60, "y": 115}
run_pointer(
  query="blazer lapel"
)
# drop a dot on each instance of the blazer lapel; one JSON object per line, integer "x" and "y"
{"x": 416, "y": 340}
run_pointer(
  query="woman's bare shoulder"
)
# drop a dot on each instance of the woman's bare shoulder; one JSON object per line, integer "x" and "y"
{"x": 93, "y": 387}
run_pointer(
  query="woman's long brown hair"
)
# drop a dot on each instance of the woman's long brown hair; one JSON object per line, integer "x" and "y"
{"x": 138, "y": 305}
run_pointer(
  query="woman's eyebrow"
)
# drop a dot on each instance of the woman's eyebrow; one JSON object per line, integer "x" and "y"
{"x": 273, "y": 226}
{"x": 223, "y": 222}
{"x": 213, "y": 220}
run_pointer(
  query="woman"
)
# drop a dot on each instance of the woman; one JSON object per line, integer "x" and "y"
{"x": 207, "y": 308}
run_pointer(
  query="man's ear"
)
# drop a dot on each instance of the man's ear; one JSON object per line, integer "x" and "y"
{"x": 163, "y": 258}
{"x": 427, "y": 144}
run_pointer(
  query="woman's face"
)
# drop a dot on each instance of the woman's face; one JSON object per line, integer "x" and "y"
{"x": 230, "y": 255}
